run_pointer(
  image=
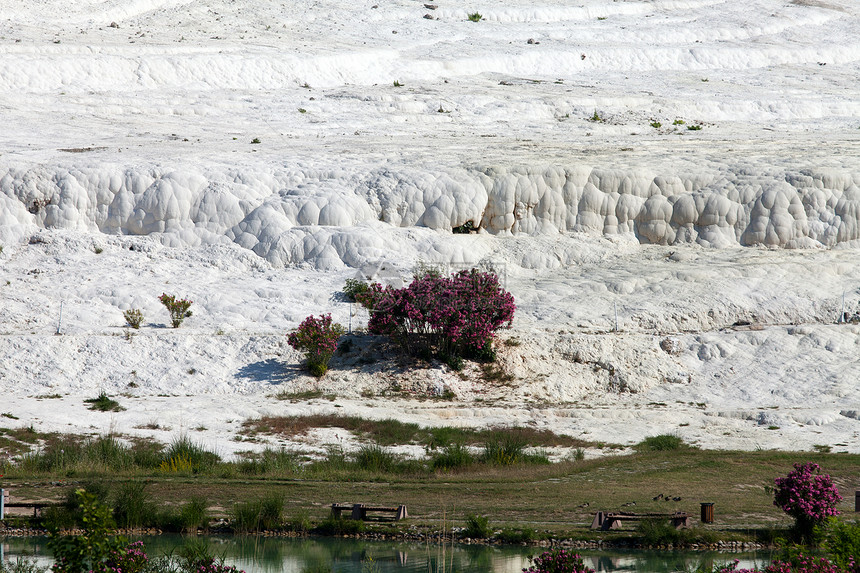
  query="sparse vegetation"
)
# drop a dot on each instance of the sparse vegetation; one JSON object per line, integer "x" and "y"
{"x": 477, "y": 526}
{"x": 694, "y": 127}
{"x": 656, "y": 124}
{"x": 452, "y": 457}
{"x": 103, "y": 403}
{"x": 595, "y": 117}
{"x": 299, "y": 396}
{"x": 475, "y": 17}
{"x": 178, "y": 308}
{"x": 255, "y": 141}
{"x": 465, "y": 228}
{"x": 264, "y": 514}
{"x": 657, "y": 532}
{"x": 661, "y": 443}
{"x": 134, "y": 317}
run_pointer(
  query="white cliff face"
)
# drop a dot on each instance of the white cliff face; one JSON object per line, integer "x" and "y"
{"x": 689, "y": 166}
{"x": 349, "y": 218}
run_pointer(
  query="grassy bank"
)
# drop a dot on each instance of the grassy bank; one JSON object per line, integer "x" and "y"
{"x": 558, "y": 498}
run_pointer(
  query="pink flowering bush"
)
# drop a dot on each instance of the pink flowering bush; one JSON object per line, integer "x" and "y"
{"x": 317, "y": 338}
{"x": 557, "y": 561}
{"x": 452, "y": 316}
{"x": 801, "y": 564}
{"x": 128, "y": 559}
{"x": 212, "y": 565}
{"x": 807, "y": 496}
{"x": 178, "y": 308}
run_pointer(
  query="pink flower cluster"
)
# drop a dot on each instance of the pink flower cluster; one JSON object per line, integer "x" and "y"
{"x": 317, "y": 338}
{"x": 129, "y": 559}
{"x": 806, "y": 495}
{"x": 178, "y": 308}
{"x": 802, "y": 564}
{"x": 454, "y": 315}
{"x": 557, "y": 561}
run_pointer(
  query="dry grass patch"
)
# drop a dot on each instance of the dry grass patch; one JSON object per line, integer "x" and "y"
{"x": 393, "y": 432}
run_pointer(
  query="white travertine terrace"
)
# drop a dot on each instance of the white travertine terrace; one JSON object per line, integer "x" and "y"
{"x": 669, "y": 188}
{"x": 341, "y": 218}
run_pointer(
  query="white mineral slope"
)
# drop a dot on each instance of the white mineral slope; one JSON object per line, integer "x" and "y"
{"x": 560, "y": 130}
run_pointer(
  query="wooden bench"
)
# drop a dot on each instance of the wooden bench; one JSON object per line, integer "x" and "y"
{"x": 5, "y": 504}
{"x": 613, "y": 520}
{"x": 359, "y": 511}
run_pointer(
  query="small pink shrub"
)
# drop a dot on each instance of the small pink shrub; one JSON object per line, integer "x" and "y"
{"x": 557, "y": 561}
{"x": 129, "y": 559}
{"x": 317, "y": 338}
{"x": 802, "y": 564}
{"x": 178, "y": 308}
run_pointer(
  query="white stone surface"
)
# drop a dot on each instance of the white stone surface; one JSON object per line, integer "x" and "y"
{"x": 127, "y": 127}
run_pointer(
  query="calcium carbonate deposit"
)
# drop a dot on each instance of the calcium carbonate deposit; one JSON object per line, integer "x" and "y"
{"x": 670, "y": 189}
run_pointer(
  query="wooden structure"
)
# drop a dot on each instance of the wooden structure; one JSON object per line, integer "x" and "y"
{"x": 6, "y": 503}
{"x": 360, "y": 511}
{"x": 613, "y": 520}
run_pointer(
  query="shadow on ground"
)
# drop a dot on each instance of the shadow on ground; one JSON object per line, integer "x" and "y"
{"x": 272, "y": 371}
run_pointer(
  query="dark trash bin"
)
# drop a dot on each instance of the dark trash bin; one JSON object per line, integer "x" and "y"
{"x": 707, "y": 513}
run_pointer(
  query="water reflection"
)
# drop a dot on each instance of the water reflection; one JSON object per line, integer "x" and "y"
{"x": 276, "y": 555}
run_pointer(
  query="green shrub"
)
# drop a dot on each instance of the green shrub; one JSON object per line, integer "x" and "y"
{"x": 466, "y": 227}
{"x": 134, "y": 317}
{"x": 103, "y": 403}
{"x": 536, "y": 458}
{"x": 194, "y": 455}
{"x": 354, "y": 287}
{"x": 300, "y": 523}
{"x": 452, "y": 456}
{"x": 90, "y": 551}
{"x": 194, "y": 515}
{"x": 335, "y": 460}
{"x": 147, "y": 455}
{"x": 265, "y": 514}
{"x": 108, "y": 452}
{"x": 525, "y": 535}
{"x": 475, "y": 17}
{"x": 504, "y": 450}
{"x": 21, "y": 564}
{"x": 842, "y": 541}
{"x": 133, "y": 507}
{"x": 59, "y": 518}
{"x": 661, "y": 443}
{"x": 270, "y": 461}
{"x": 662, "y": 532}
{"x": 477, "y": 526}
{"x": 375, "y": 458}
{"x": 339, "y": 526}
